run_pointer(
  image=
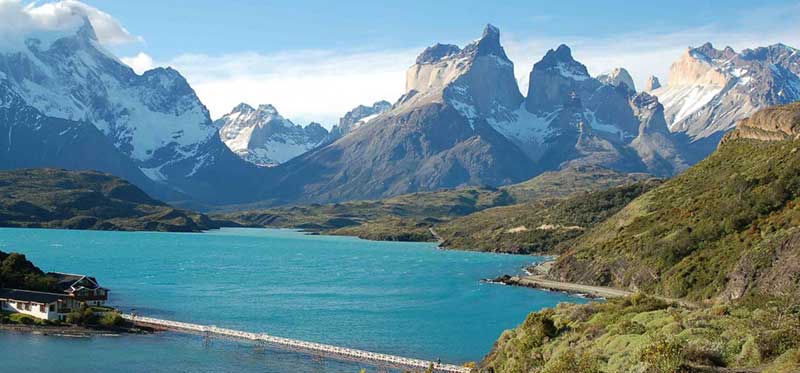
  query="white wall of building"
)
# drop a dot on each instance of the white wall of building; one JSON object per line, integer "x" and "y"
{"x": 38, "y": 310}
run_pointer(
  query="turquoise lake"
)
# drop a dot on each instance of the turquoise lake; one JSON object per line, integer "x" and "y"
{"x": 407, "y": 299}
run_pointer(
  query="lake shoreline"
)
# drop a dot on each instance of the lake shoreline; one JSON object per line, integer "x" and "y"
{"x": 73, "y": 331}
{"x": 536, "y": 278}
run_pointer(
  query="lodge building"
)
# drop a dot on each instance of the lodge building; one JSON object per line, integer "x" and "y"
{"x": 75, "y": 291}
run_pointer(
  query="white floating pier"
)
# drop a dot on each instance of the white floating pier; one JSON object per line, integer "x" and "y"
{"x": 341, "y": 353}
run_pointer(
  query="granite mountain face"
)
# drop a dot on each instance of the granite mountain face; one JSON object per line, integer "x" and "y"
{"x": 589, "y": 121}
{"x": 436, "y": 136}
{"x": 265, "y": 138}
{"x": 617, "y": 76}
{"x": 710, "y": 90}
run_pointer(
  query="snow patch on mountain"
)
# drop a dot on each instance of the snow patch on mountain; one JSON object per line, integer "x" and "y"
{"x": 569, "y": 72}
{"x": 597, "y": 124}
{"x": 686, "y": 100}
{"x": 263, "y": 137}
{"x": 710, "y": 90}
{"x": 524, "y": 127}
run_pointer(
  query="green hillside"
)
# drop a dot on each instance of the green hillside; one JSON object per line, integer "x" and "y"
{"x": 538, "y": 226}
{"x": 51, "y": 198}
{"x": 721, "y": 229}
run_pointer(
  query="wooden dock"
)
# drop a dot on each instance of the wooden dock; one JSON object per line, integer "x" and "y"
{"x": 310, "y": 348}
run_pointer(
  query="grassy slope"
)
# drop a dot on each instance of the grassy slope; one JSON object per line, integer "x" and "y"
{"x": 537, "y": 227}
{"x": 727, "y": 218}
{"x": 410, "y": 217}
{"x": 51, "y": 198}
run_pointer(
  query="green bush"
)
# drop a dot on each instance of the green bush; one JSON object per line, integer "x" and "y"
{"x": 570, "y": 361}
{"x": 19, "y": 318}
{"x": 662, "y": 355}
{"x": 111, "y": 319}
{"x": 82, "y": 316}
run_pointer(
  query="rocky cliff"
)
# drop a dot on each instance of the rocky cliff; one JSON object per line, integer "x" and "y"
{"x": 773, "y": 124}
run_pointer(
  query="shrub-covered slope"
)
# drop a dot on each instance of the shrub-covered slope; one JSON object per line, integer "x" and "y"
{"x": 538, "y": 226}
{"x": 723, "y": 228}
{"x": 642, "y": 334}
{"x": 51, "y": 198}
{"x": 17, "y": 272}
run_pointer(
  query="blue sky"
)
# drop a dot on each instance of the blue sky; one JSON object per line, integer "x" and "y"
{"x": 206, "y": 26}
{"x": 314, "y": 60}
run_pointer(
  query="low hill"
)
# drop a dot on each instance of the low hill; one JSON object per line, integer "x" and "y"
{"x": 17, "y": 272}
{"x": 537, "y": 226}
{"x": 53, "y": 198}
{"x": 571, "y": 180}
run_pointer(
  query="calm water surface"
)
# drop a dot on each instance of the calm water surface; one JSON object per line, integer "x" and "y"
{"x": 407, "y": 299}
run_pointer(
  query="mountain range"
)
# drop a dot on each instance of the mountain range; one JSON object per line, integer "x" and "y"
{"x": 68, "y": 102}
{"x": 710, "y": 90}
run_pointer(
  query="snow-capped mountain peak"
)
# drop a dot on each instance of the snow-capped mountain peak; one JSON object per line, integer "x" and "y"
{"x": 462, "y": 77}
{"x": 263, "y": 137}
{"x": 560, "y": 61}
{"x": 77, "y": 79}
{"x": 709, "y": 90}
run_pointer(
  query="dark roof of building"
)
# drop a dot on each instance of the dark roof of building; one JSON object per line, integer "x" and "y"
{"x": 65, "y": 281}
{"x": 31, "y": 296}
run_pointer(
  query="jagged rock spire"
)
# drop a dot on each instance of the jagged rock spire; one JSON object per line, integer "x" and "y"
{"x": 489, "y": 43}
{"x": 652, "y": 84}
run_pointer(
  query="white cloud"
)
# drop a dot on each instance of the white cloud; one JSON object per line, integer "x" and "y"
{"x": 140, "y": 62}
{"x": 18, "y": 20}
{"x": 304, "y": 85}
